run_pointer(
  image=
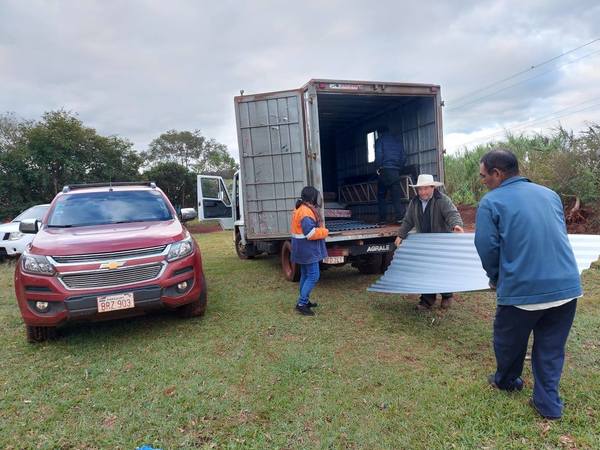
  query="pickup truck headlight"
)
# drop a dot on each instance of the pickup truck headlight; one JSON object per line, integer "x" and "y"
{"x": 180, "y": 249}
{"x": 15, "y": 236}
{"x": 37, "y": 265}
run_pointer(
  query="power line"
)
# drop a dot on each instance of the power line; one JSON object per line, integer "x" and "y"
{"x": 533, "y": 67}
{"x": 539, "y": 120}
{"x": 461, "y": 106}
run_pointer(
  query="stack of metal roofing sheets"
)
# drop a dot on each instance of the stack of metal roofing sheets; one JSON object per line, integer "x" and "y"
{"x": 448, "y": 262}
{"x": 346, "y": 225}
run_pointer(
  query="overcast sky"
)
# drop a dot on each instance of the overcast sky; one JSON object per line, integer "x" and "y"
{"x": 139, "y": 68}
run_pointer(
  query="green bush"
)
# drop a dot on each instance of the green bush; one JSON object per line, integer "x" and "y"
{"x": 566, "y": 163}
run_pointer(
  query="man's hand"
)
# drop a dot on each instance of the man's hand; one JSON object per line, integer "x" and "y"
{"x": 398, "y": 241}
{"x": 458, "y": 229}
{"x": 492, "y": 286}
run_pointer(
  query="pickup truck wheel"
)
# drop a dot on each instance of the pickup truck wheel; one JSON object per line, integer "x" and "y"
{"x": 40, "y": 334}
{"x": 291, "y": 271}
{"x": 196, "y": 308}
{"x": 247, "y": 251}
{"x": 372, "y": 264}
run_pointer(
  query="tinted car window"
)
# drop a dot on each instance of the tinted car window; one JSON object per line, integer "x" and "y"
{"x": 35, "y": 212}
{"x": 99, "y": 208}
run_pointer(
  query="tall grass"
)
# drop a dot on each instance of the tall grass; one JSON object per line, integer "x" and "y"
{"x": 563, "y": 161}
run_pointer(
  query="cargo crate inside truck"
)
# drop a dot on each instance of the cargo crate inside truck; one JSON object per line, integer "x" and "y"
{"x": 323, "y": 135}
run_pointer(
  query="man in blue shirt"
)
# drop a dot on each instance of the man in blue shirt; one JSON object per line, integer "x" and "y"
{"x": 522, "y": 241}
{"x": 389, "y": 160}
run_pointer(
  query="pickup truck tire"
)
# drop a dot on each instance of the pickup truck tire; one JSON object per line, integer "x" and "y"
{"x": 247, "y": 251}
{"x": 40, "y": 334}
{"x": 291, "y": 271}
{"x": 196, "y": 308}
{"x": 370, "y": 265}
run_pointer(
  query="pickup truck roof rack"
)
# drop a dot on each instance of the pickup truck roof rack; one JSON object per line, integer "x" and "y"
{"x": 73, "y": 187}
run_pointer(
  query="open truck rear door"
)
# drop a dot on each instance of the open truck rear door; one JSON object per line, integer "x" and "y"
{"x": 214, "y": 201}
{"x": 271, "y": 136}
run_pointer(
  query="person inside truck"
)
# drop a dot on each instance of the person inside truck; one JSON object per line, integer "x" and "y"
{"x": 308, "y": 245}
{"x": 430, "y": 211}
{"x": 389, "y": 160}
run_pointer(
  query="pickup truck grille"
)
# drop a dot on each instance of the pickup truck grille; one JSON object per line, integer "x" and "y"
{"x": 112, "y": 278}
{"x": 94, "y": 257}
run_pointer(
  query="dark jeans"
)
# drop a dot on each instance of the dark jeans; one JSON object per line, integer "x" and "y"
{"x": 309, "y": 275}
{"x": 550, "y": 327}
{"x": 429, "y": 299}
{"x": 389, "y": 180}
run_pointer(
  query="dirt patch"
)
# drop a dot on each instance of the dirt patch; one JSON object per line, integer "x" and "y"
{"x": 203, "y": 228}
{"x": 582, "y": 219}
{"x": 467, "y": 212}
{"x": 585, "y": 220}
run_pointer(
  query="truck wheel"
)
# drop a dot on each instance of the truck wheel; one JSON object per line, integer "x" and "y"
{"x": 40, "y": 334}
{"x": 196, "y": 308}
{"x": 372, "y": 264}
{"x": 291, "y": 271}
{"x": 386, "y": 260}
{"x": 247, "y": 251}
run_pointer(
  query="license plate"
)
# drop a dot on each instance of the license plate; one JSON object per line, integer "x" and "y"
{"x": 115, "y": 302}
{"x": 333, "y": 260}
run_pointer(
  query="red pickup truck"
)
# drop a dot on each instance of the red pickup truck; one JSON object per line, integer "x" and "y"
{"x": 107, "y": 251}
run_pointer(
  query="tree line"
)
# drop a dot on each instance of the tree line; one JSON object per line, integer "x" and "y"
{"x": 37, "y": 158}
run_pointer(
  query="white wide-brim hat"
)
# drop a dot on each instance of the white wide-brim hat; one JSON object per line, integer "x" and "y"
{"x": 426, "y": 180}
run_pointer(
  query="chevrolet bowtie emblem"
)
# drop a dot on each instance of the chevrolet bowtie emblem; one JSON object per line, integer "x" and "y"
{"x": 112, "y": 265}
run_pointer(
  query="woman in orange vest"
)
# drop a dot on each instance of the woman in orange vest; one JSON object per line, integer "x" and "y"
{"x": 308, "y": 245}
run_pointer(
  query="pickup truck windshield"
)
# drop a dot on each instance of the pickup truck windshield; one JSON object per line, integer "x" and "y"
{"x": 101, "y": 208}
{"x": 35, "y": 212}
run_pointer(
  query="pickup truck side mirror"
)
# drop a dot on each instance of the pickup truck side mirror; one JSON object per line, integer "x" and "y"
{"x": 29, "y": 226}
{"x": 188, "y": 214}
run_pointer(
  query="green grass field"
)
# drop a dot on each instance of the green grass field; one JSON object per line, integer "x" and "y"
{"x": 367, "y": 372}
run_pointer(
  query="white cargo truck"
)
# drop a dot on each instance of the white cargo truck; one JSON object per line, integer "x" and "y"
{"x": 323, "y": 135}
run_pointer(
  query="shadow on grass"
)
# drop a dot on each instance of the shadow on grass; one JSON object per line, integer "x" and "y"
{"x": 156, "y": 323}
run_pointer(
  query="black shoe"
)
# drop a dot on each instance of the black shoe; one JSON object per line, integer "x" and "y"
{"x": 491, "y": 379}
{"x": 517, "y": 385}
{"x": 312, "y": 305}
{"x": 304, "y": 310}
{"x": 423, "y": 305}
{"x": 532, "y": 404}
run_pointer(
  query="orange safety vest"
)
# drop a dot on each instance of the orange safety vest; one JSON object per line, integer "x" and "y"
{"x": 296, "y": 229}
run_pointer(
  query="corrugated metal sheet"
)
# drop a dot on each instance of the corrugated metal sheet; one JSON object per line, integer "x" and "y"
{"x": 346, "y": 225}
{"x": 448, "y": 262}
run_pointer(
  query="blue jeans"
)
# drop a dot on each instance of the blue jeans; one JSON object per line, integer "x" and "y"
{"x": 309, "y": 275}
{"x": 550, "y": 327}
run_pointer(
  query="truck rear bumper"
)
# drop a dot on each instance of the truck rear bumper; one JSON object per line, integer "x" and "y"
{"x": 372, "y": 233}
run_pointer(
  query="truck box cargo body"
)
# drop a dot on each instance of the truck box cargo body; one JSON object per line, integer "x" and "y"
{"x": 320, "y": 135}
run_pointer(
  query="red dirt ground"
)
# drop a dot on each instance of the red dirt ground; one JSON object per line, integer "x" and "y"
{"x": 468, "y": 216}
{"x": 203, "y": 228}
{"x": 584, "y": 221}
